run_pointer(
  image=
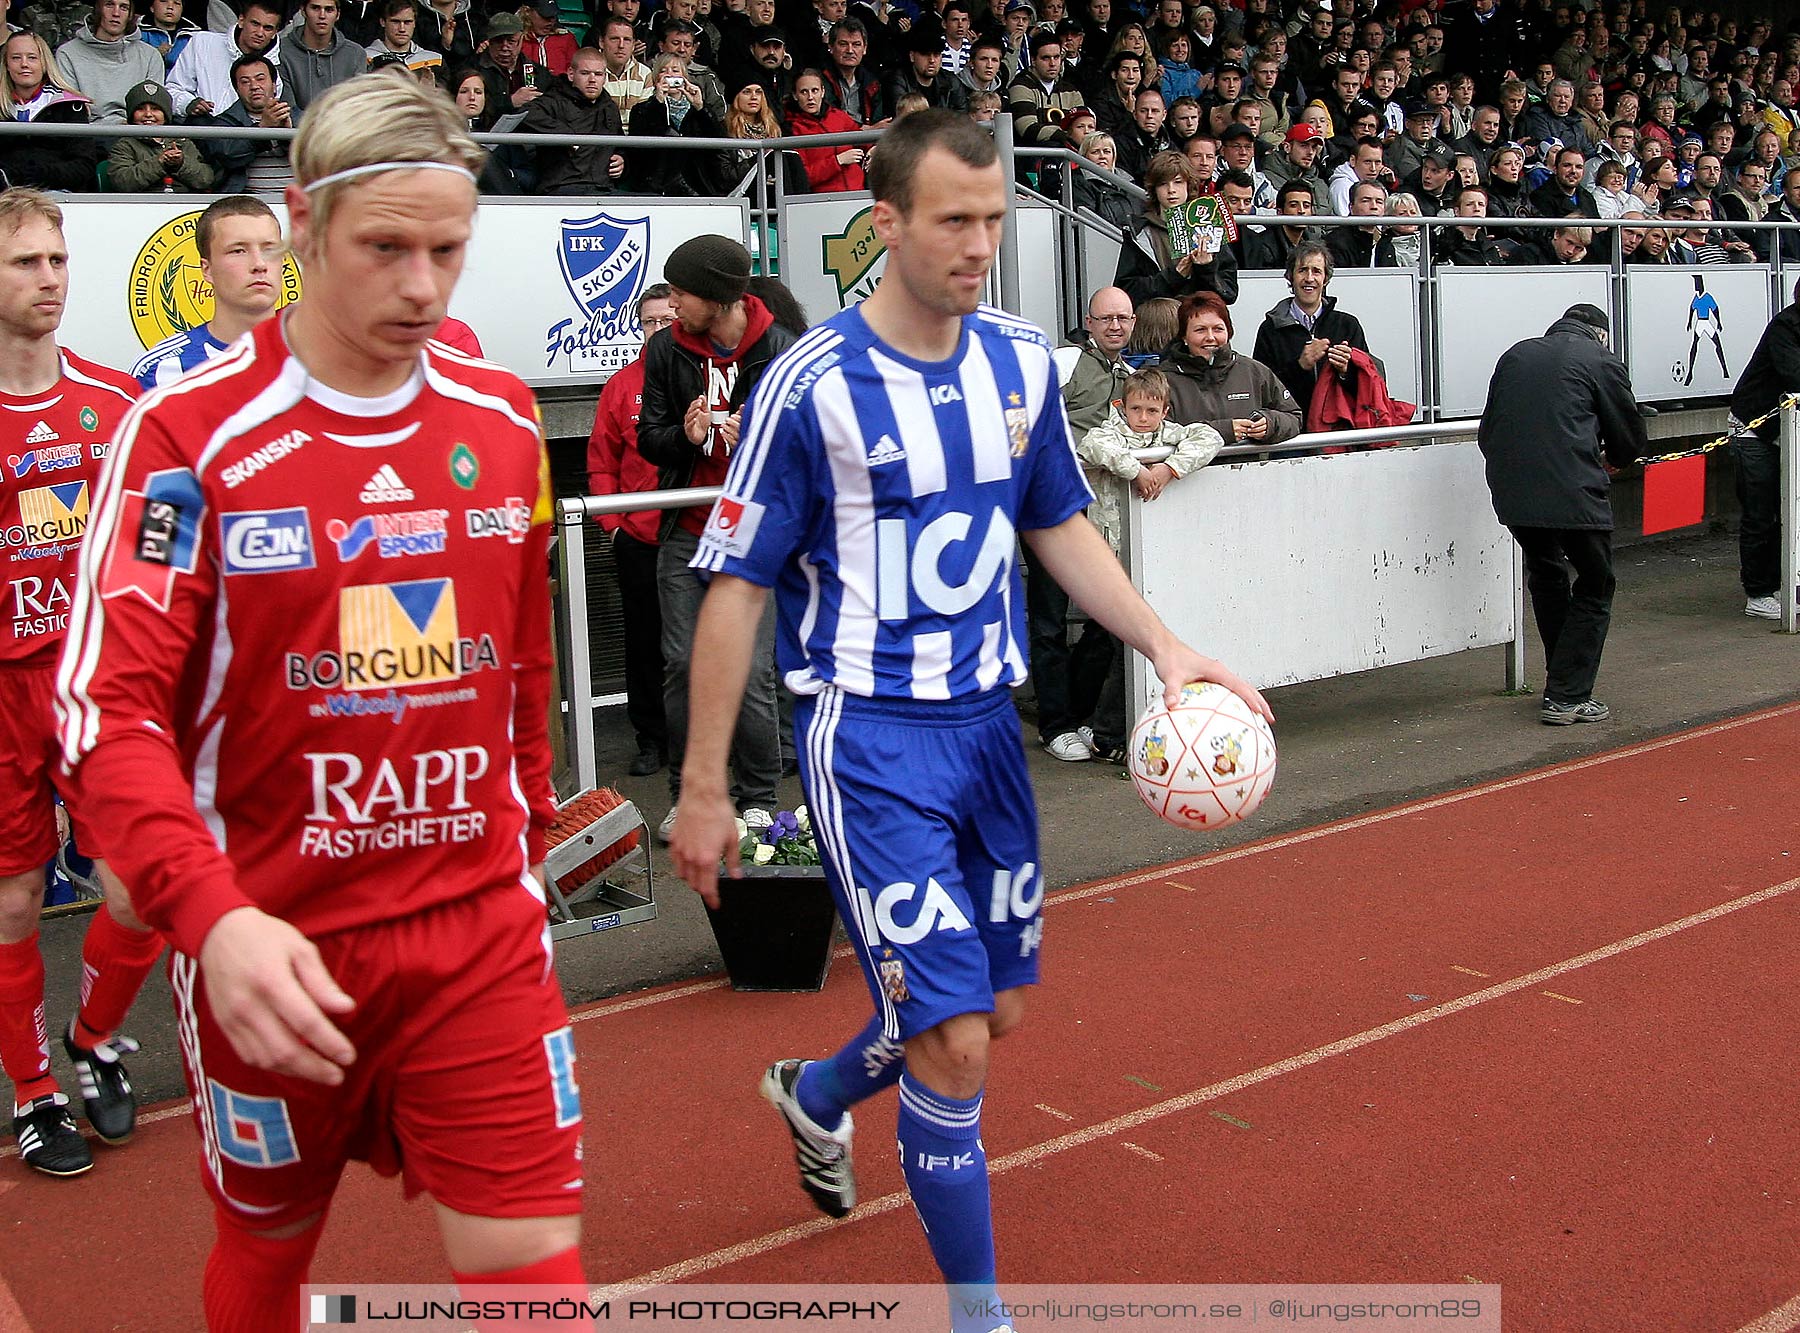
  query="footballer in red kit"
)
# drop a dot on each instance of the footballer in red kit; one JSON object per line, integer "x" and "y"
{"x": 58, "y": 415}
{"x": 311, "y": 643}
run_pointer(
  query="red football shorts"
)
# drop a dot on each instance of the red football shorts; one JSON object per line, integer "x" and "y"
{"x": 29, "y": 776}
{"x": 464, "y": 1078}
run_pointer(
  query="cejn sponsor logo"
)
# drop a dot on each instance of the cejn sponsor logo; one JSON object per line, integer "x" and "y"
{"x": 419, "y": 800}
{"x": 263, "y": 456}
{"x": 267, "y": 542}
{"x": 414, "y": 532}
{"x": 385, "y": 487}
{"x": 393, "y": 635}
{"x": 511, "y": 521}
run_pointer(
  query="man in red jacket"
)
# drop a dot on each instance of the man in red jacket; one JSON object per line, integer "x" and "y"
{"x": 615, "y": 467}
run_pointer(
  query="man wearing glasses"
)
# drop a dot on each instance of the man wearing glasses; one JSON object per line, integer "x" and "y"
{"x": 1092, "y": 371}
{"x": 1744, "y": 201}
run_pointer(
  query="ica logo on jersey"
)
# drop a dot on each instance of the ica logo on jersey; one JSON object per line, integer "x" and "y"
{"x": 920, "y": 563}
{"x": 934, "y": 909}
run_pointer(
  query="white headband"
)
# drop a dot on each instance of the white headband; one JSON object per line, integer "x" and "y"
{"x": 351, "y": 173}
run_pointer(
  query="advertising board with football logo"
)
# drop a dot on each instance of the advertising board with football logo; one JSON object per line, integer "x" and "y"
{"x": 832, "y": 258}
{"x": 549, "y": 288}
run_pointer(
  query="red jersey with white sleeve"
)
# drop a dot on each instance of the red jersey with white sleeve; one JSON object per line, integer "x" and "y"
{"x": 308, "y": 660}
{"x": 52, "y": 445}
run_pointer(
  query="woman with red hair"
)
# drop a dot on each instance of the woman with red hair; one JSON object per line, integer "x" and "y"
{"x": 1237, "y": 396}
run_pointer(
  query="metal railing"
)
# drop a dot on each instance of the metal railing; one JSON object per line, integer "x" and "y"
{"x": 574, "y": 514}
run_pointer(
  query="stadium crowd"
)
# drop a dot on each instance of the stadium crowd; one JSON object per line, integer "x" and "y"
{"x": 1469, "y": 108}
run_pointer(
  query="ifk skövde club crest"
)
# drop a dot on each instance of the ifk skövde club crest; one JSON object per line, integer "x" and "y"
{"x": 603, "y": 260}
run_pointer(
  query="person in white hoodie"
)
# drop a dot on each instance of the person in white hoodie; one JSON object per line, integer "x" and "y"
{"x": 200, "y": 83}
{"x": 105, "y": 59}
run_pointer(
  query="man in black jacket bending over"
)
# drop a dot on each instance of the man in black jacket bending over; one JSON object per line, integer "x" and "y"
{"x": 697, "y": 375}
{"x": 1560, "y": 418}
{"x": 1773, "y": 371}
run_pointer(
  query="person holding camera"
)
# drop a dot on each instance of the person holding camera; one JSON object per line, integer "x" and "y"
{"x": 676, "y": 109}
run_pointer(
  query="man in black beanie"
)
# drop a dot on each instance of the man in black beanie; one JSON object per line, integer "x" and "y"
{"x": 697, "y": 375}
{"x": 1560, "y": 418}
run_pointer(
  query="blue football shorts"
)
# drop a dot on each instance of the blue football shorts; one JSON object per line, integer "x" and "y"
{"x": 925, "y": 820}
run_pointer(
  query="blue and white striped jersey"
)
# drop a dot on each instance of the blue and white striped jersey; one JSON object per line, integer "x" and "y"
{"x": 880, "y": 497}
{"x": 175, "y": 355}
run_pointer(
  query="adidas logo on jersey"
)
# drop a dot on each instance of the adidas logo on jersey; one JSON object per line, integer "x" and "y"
{"x": 385, "y": 487}
{"x": 41, "y": 434}
{"x": 885, "y": 450}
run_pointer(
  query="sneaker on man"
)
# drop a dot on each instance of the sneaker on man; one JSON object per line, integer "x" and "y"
{"x": 666, "y": 829}
{"x": 1763, "y": 608}
{"x": 48, "y": 1139}
{"x": 756, "y": 819}
{"x": 106, "y": 1097}
{"x": 650, "y": 758}
{"x": 1565, "y": 715}
{"x": 1104, "y": 752}
{"x": 823, "y": 1156}
{"x": 1068, "y": 747}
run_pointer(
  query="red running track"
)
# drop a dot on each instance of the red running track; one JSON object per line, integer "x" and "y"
{"x": 1537, "y": 1033}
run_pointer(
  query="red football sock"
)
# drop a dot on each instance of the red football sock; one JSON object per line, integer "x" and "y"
{"x": 558, "y": 1277}
{"x": 114, "y": 963}
{"x": 24, "y": 1040}
{"x": 252, "y": 1283}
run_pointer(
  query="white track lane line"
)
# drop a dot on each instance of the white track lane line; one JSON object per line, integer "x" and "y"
{"x": 606, "y": 1008}
{"x": 693, "y": 1267}
{"x": 1776, "y": 1321}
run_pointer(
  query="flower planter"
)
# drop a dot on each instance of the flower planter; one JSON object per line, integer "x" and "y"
{"x": 774, "y": 928}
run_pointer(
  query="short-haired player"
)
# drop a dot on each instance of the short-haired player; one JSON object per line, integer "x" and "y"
{"x": 885, "y": 464}
{"x": 241, "y": 255}
{"x": 58, "y": 416}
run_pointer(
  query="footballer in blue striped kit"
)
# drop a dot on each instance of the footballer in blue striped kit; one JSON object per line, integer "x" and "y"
{"x": 888, "y": 465}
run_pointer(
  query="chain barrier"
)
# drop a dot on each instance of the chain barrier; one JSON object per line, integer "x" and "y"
{"x": 1742, "y": 429}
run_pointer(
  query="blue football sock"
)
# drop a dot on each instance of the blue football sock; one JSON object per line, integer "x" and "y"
{"x": 946, "y": 1171}
{"x": 827, "y": 1088}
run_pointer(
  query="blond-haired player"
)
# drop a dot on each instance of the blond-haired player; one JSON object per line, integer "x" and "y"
{"x": 310, "y": 646}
